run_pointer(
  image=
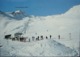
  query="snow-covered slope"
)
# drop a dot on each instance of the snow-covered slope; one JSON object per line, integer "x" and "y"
{"x": 54, "y": 25}
{"x": 39, "y": 48}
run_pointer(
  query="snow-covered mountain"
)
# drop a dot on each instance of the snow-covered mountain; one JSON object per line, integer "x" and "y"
{"x": 15, "y": 14}
{"x": 54, "y": 25}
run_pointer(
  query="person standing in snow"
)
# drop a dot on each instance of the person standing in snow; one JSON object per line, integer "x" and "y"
{"x": 46, "y": 37}
{"x": 50, "y": 36}
{"x": 29, "y": 39}
{"x": 41, "y": 37}
{"x": 33, "y": 38}
{"x": 58, "y": 36}
{"x": 37, "y": 38}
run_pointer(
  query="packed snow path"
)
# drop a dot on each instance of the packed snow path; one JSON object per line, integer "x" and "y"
{"x": 47, "y": 47}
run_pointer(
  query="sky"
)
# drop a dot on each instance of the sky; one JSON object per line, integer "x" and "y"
{"x": 38, "y": 7}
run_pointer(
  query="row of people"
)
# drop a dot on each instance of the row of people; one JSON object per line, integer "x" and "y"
{"x": 39, "y": 38}
{"x": 27, "y": 38}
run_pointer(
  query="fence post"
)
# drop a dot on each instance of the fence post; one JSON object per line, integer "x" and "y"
{"x": 0, "y": 49}
{"x": 70, "y": 35}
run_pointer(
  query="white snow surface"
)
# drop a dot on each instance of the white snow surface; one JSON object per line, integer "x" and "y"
{"x": 54, "y": 25}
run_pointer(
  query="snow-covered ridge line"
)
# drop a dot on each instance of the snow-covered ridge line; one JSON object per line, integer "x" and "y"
{"x": 14, "y": 15}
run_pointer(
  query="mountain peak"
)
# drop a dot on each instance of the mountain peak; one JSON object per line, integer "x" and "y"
{"x": 18, "y": 12}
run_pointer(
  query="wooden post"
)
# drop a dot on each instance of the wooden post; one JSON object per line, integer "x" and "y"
{"x": 0, "y": 49}
{"x": 69, "y": 35}
{"x": 79, "y": 43}
{"x": 79, "y": 35}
